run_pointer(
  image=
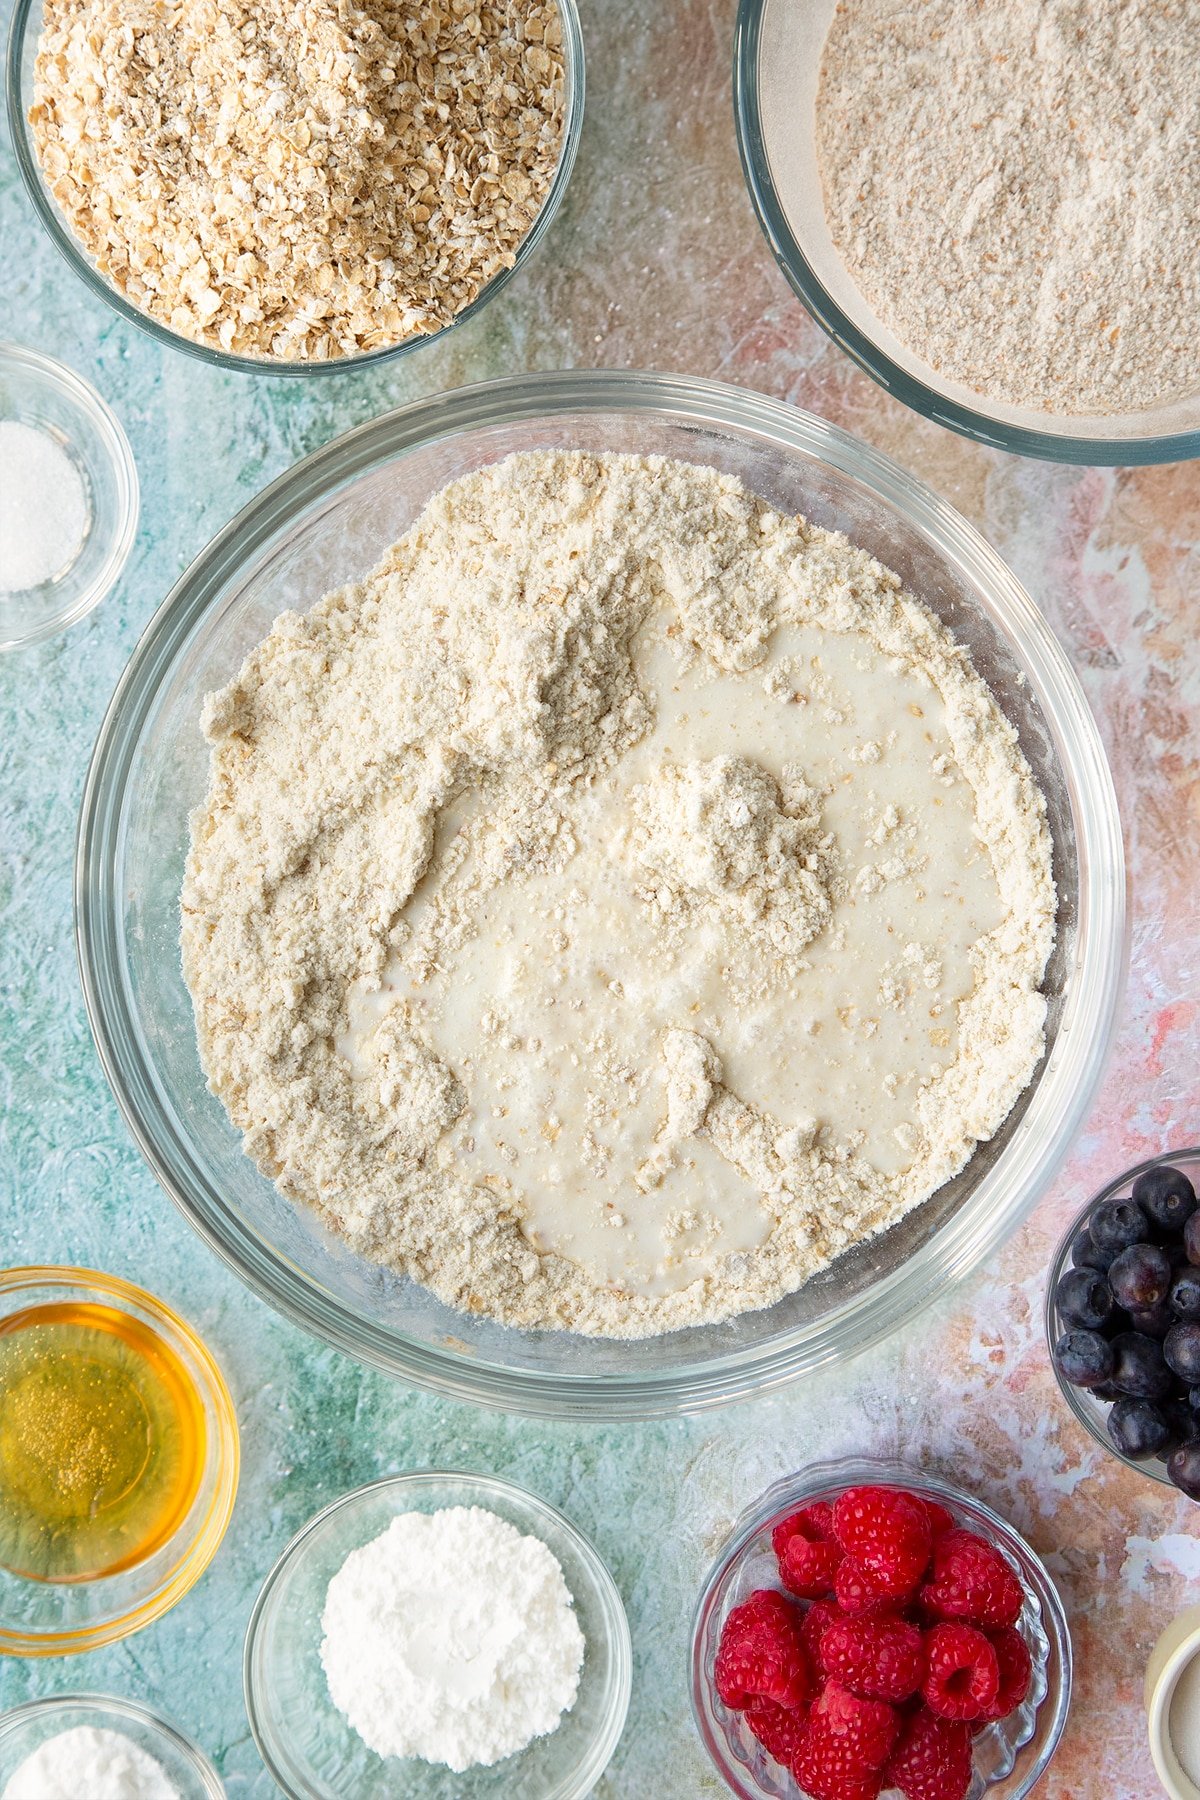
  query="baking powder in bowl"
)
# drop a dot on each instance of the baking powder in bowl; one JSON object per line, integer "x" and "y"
{"x": 451, "y": 1637}
{"x": 103, "y": 1765}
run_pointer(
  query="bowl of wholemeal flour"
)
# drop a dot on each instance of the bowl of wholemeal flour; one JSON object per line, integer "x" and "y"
{"x": 600, "y": 894}
{"x": 444, "y": 1635}
{"x": 295, "y": 186}
{"x": 991, "y": 208}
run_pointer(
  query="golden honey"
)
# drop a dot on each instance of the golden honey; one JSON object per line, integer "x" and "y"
{"x": 102, "y": 1441}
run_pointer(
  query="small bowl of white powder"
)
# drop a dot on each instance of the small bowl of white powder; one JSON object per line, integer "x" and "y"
{"x": 70, "y": 1745}
{"x": 447, "y": 1636}
{"x": 68, "y": 497}
{"x": 991, "y": 208}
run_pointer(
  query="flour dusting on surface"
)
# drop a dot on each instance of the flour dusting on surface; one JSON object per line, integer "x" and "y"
{"x": 618, "y": 904}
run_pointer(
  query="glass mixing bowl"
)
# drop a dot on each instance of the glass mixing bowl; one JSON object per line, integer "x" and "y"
{"x": 786, "y": 192}
{"x": 1009, "y": 1757}
{"x": 24, "y": 31}
{"x": 311, "y": 1749}
{"x": 330, "y": 519}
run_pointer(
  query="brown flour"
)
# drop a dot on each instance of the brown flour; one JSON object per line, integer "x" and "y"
{"x": 1014, "y": 186}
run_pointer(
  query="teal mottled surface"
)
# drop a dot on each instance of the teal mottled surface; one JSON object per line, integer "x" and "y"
{"x": 655, "y": 262}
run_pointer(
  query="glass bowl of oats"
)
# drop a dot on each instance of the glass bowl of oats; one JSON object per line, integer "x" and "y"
{"x": 338, "y": 206}
{"x": 1021, "y": 274}
{"x": 683, "y": 1289}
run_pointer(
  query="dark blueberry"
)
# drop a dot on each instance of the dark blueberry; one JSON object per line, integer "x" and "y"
{"x": 1085, "y": 1255}
{"x": 1181, "y": 1350}
{"x": 1140, "y": 1277}
{"x": 1191, "y": 1239}
{"x": 1185, "y": 1295}
{"x": 1155, "y": 1322}
{"x": 1138, "y": 1366}
{"x": 1083, "y": 1298}
{"x": 1137, "y": 1427}
{"x": 1106, "y": 1390}
{"x": 1083, "y": 1358}
{"x": 1194, "y": 1400}
{"x": 1183, "y": 1466}
{"x": 1115, "y": 1224}
{"x": 1166, "y": 1196}
{"x": 1181, "y": 1421}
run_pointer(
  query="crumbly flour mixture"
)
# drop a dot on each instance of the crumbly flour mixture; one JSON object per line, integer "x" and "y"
{"x": 619, "y": 903}
{"x": 300, "y": 178}
{"x": 1014, "y": 186}
{"x": 451, "y": 1636}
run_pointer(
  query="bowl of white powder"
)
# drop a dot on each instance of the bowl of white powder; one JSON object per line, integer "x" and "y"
{"x": 68, "y": 1746}
{"x": 68, "y": 497}
{"x": 445, "y": 1635}
{"x": 990, "y": 208}
{"x": 629, "y": 945}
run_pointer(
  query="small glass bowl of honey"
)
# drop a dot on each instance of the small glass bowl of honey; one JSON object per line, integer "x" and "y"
{"x": 118, "y": 1459}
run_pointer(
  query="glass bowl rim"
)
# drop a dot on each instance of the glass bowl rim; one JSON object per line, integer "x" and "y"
{"x": 82, "y": 395}
{"x": 222, "y": 1457}
{"x": 24, "y": 15}
{"x": 618, "y": 1639}
{"x": 849, "y": 1471}
{"x": 971, "y": 422}
{"x": 961, "y": 1244}
{"x": 115, "y": 1705}
{"x": 1151, "y": 1469}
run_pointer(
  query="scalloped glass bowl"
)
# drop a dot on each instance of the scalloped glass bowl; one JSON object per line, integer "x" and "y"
{"x": 35, "y": 390}
{"x": 329, "y": 520}
{"x": 24, "y": 31}
{"x": 774, "y": 34}
{"x": 27, "y": 1726}
{"x": 309, "y": 1747}
{"x": 59, "y": 1618}
{"x": 1091, "y": 1412}
{"x": 1010, "y": 1757}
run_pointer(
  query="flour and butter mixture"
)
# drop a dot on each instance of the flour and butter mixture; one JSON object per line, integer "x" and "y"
{"x": 620, "y": 903}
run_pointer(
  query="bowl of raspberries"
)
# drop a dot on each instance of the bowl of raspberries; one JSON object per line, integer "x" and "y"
{"x": 1123, "y": 1319}
{"x": 870, "y": 1631}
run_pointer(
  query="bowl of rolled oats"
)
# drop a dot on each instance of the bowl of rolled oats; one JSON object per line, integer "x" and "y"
{"x": 302, "y": 186}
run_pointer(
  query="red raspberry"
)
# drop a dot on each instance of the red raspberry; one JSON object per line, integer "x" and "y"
{"x": 940, "y": 1519}
{"x": 809, "y": 1554}
{"x": 881, "y": 1659}
{"x": 867, "y": 1728}
{"x": 857, "y": 1593}
{"x": 813, "y": 1522}
{"x": 761, "y": 1654}
{"x": 817, "y": 1620}
{"x": 777, "y": 1728}
{"x": 844, "y": 1745}
{"x": 971, "y": 1581}
{"x": 888, "y": 1534}
{"x": 932, "y": 1760}
{"x": 964, "y": 1672}
{"x": 1016, "y": 1671}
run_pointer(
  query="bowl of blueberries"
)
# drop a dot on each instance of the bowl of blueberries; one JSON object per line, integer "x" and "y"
{"x": 1123, "y": 1319}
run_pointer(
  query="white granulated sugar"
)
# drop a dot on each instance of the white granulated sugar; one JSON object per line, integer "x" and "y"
{"x": 90, "y": 1763}
{"x": 43, "y": 507}
{"x": 451, "y": 1637}
{"x": 1014, "y": 187}
{"x": 618, "y": 904}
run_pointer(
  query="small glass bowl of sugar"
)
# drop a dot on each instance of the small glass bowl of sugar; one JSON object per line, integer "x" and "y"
{"x": 68, "y": 497}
